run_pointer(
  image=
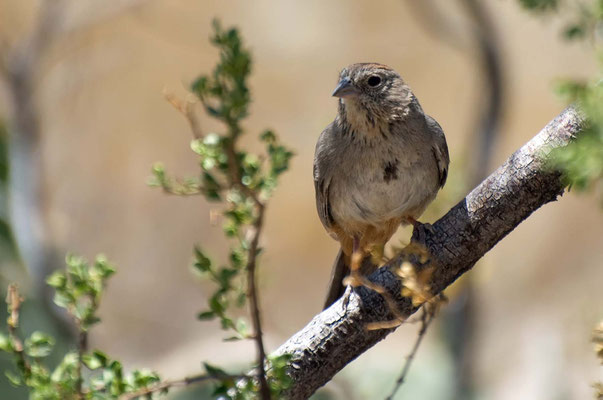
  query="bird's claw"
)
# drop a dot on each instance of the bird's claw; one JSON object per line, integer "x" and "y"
{"x": 420, "y": 233}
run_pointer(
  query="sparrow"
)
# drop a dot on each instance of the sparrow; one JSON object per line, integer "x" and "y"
{"x": 377, "y": 166}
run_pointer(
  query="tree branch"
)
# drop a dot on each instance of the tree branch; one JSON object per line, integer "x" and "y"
{"x": 457, "y": 241}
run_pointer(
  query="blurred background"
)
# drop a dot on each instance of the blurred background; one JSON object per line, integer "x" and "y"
{"x": 82, "y": 101}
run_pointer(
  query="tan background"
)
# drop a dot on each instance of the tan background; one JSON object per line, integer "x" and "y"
{"x": 105, "y": 122}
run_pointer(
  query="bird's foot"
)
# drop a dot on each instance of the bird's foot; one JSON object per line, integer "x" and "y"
{"x": 420, "y": 232}
{"x": 346, "y": 297}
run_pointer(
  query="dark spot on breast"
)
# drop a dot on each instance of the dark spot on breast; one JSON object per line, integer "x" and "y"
{"x": 390, "y": 171}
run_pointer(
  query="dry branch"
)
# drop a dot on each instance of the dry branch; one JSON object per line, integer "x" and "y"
{"x": 457, "y": 241}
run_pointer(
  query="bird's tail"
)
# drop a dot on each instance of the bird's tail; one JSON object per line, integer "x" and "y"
{"x": 340, "y": 270}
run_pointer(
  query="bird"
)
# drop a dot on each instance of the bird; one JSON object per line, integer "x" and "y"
{"x": 377, "y": 166}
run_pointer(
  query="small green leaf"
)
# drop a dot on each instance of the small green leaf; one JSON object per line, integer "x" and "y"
{"x": 242, "y": 328}
{"x": 5, "y": 344}
{"x": 574, "y": 32}
{"x": 213, "y": 370}
{"x": 540, "y": 5}
{"x": 39, "y": 344}
{"x": 57, "y": 279}
{"x": 268, "y": 136}
{"x": 63, "y": 299}
{"x": 212, "y": 139}
{"x": 143, "y": 378}
{"x": 202, "y": 262}
{"x": 95, "y": 360}
{"x": 206, "y": 315}
{"x": 13, "y": 378}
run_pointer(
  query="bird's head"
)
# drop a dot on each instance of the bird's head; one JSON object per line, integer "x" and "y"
{"x": 375, "y": 90}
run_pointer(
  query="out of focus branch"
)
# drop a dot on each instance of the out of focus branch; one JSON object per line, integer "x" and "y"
{"x": 479, "y": 42}
{"x": 435, "y": 24}
{"x": 457, "y": 241}
{"x": 483, "y": 40}
{"x": 491, "y": 96}
{"x": 21, "y": 66}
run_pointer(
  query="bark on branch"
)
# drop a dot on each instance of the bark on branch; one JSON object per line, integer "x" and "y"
{"x": 458, "y": 240}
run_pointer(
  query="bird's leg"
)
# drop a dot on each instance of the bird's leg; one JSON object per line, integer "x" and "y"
{"x": 378, "y": 254}
{"x": 355, "y": 263}
{"x": 353, "y": 279}
{"x": 356, "y": 254}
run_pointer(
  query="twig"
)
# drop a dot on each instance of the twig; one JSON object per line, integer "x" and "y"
{"x": 82, "y": 344}
{"x": 252, "y": 293}
{"x": 426, "y": 317}
{"x": 14, "y": 300}
{"x": 186, "y": 108}
{"x": 163, "y": 386}
{"x": 254, "y": 303}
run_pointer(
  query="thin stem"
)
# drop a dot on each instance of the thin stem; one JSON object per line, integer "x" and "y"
{"x": 235, "y": 181}
{"x": 252, "y": 293}
{"x": 426, "y": 317}
{"x": 82, "y": 345}
{"x": 186, "y": 108}
{"x": 14, "y": 300}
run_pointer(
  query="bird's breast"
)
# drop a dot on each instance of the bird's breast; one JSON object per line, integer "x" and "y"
{"x": 374, "y": 185}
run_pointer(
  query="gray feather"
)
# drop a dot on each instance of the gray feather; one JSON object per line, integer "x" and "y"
{"x": 440, "y": 148}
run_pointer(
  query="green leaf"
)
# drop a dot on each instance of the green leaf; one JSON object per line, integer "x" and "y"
{"x": 573, "y": 32}
{"x": 212, "y": 139}
{"x": 206, "y": 315}
{"x": 143, "y": 378}
{"x": 57, "y": 279}
{"x": 213, "y": 370}
{"x": 105, "y": 268}
{"x": 13, "y": 378}
{"x": 39, "y": 344}
{"x": 268, "y": 136}
{"x": 63, "y": 299}
{"x": 66, "y": 368}
{"x": 5, "y": 344}
{"x": 242, "y": 328}
{"x": 216, "y": 304}
{"x": 202, "y": 262}
{"x": 211, "y": 187}
{"x": 540, "y": 5}
{"x": 95, "y": 360}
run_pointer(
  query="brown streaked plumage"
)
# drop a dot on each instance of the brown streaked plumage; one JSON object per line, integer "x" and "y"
{"x": 377, "y": 165}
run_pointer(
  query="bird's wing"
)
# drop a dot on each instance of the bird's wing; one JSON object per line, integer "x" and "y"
{"x": 439, "y": 148}
{"x": 323, "y": 168}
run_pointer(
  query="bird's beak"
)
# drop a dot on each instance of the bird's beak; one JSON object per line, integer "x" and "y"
{"x": 345, "y": 88}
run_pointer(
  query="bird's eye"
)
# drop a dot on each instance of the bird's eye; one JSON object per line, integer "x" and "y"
{"x": 374, "y": 81}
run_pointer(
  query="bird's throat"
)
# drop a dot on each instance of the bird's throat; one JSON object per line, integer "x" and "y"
{"x": 362, "y": 120}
